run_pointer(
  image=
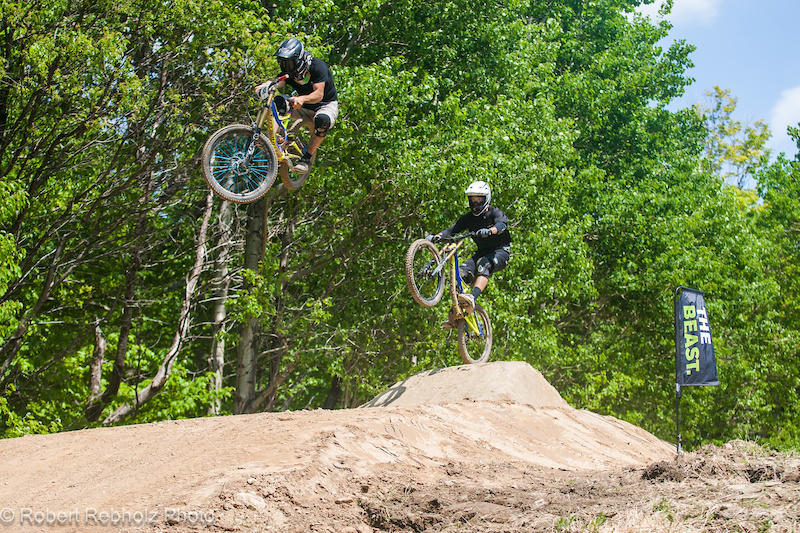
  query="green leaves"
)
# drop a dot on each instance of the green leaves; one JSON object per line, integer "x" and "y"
{"x": 561, "y": 106}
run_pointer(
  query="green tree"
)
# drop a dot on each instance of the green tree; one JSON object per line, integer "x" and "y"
{"x": 103, "y": 106}
{"x": 733, "y": 150}
{"x": 132, "y": 295}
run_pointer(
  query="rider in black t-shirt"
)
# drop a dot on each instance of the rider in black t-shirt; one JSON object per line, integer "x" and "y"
{"x": 492, "y": 239}
{"x": 316, "y": 94}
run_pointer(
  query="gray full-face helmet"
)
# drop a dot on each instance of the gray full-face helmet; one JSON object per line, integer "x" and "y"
{"x": 293, "y": 58}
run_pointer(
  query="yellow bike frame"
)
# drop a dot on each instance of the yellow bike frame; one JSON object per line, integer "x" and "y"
{"x": 288, "y": 140}
{"x": 450, "y": 253}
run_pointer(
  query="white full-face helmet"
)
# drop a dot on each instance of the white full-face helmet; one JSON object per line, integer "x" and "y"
{"x": 479, "y": 194}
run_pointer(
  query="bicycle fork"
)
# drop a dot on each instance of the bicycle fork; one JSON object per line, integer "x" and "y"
{"x": 251, "y": 148}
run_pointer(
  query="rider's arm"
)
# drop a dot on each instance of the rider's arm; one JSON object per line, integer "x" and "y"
{"x": 311, "y": 98}
{"x": 459, "y": 226}
{"x": 500, "y": 222}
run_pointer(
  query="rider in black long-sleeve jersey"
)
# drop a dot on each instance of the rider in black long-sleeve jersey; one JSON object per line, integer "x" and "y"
{"x": 492, "y": 238}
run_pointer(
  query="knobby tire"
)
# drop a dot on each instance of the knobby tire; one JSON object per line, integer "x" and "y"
{"x": 475, "y": 348}
{"x": 240, "y": 185}
{"x": 421, "y": 259}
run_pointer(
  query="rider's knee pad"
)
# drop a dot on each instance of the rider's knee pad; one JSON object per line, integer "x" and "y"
{"x": 484, "y": 267}
{"x": 499, "y": 261}
{"x": 322, "y": 124}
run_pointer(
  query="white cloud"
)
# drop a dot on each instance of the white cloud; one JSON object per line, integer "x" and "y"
{"x": 702, "y": 12}
{"x": 785, "y": 113}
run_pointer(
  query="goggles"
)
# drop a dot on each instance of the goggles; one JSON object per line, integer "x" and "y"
{"x": 476, "y": 201}
{"x": 287, "y": 64}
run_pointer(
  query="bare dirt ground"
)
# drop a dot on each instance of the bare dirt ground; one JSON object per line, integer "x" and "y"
{"x": 480, "y": 448}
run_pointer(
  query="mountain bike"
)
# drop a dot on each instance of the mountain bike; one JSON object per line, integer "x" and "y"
{"x": 240, "y": 163}
{"x": 426, "y": 268}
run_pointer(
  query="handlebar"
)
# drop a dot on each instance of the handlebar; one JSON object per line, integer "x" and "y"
{"x": 456, "y": 238}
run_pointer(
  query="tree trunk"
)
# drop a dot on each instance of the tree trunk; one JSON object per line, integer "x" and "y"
{"x": 247, "y": 349}
{"x": 334, "y": 393}
{"x": 96, "y": 366}
{"x": 222, "y": 282}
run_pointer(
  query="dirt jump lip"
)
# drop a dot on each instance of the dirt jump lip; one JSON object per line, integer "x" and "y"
{"x": 515, "y": 381}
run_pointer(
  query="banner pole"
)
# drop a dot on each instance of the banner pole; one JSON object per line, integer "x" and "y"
{"x": 677, "y": 377}
{"x": 678, "y": 418}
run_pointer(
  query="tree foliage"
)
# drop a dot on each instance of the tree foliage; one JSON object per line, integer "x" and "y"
{"x": 129, "y": 294}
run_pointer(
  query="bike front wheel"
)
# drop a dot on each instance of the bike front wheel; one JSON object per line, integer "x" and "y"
{"x": 423, "y": 277}
{"x": 475, "y": 337}
{"x": 227, "y": 169}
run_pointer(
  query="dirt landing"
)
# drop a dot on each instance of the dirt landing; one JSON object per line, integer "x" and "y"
{"x": 478, "y": 448}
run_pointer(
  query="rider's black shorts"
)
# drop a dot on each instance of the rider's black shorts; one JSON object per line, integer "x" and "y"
{"x": 487, "y": 263}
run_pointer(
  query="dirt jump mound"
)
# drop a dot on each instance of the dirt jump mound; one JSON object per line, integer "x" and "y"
{"x": 300, "y": 471}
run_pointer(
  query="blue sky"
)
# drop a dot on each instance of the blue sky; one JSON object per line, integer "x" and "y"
{"x": 750, "y": 47}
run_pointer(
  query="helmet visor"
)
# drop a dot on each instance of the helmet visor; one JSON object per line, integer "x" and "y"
{"x": 287, "y": 64}
{"x": 476, "y": 202}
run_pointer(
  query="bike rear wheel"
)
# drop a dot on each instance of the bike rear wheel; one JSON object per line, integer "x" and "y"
{"x": 426, "y": 286}
{"x": 226, "y": 171}
{"x": 475, "y": 337}
{"x": 293, "y": 150}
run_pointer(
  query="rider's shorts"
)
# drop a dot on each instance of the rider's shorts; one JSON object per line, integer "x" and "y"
{"x": 331, "y": 109}
{"x": 486, "y": 264}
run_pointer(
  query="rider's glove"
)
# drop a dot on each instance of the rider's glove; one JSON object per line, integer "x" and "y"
{"x": 484, "y": 232}
{"x": 263, "y": 93}
{"x": 434, "y": 238}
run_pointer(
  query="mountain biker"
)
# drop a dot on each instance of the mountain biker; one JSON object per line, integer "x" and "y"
{"x": 311, "y": 78}
{"x": 492, "y": 238}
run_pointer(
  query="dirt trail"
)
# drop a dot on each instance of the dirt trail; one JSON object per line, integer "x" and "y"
{"x": 482, "y": 447}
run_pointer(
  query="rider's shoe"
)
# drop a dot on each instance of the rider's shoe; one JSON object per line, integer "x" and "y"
{"x": 467, "y": 302}
{"x": 304, "y": 165}
{"x": 448, "y": 325}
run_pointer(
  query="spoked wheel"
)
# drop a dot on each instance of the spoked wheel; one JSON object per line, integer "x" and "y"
{"x": 426, "y": 286}
{"x": 227, "y": 171}
{"x": 475, "y": 337}
{"x": 294, "y": 150}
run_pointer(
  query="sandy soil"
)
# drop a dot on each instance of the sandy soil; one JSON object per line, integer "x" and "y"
{"x": 484, "y": 448}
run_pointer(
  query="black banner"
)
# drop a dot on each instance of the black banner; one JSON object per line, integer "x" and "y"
{"x": 694, "y": 351}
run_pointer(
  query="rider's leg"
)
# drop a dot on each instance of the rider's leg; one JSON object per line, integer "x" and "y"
{"x": 488, "y": 265}
{"x": 322, "y": 123}
{"x": 482, "y": 279}
{"x": 314, "y": 143}
{"x": 480, "y": 285}
{"x": 467, "y": 300}
{"x": 304, "y": 164}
